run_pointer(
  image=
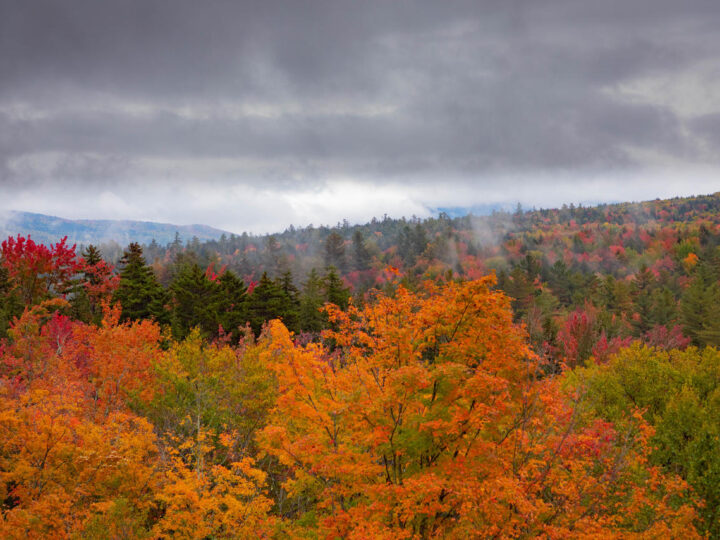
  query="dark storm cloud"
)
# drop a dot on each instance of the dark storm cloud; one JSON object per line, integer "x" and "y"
{"x": 295, "y": 93}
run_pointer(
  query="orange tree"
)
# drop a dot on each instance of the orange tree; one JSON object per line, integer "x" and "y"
{"x": 427, "y": 419}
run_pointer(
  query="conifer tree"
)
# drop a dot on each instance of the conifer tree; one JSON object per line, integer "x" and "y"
{"x": 233, "y": 304}
{"x": 139, "y": 293}
{"x": 361, "y": 254}
{"x": 195, "y": 302}
{"x": 335, "y": 290}
{"x": 335, "y": 251}
{"x": 266, "y": 302}
{"x": 311, "y": 318}
{"x": 699, "y": 307}
{"x": 291, "y": 309}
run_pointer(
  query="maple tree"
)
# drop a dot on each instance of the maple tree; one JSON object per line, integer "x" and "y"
{"x": 428, "y": 420}
{"x": 36, "y": 271}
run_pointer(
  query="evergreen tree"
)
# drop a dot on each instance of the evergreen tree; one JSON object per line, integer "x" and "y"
{"x": 334, "y": 289}
{"x": 91, "y": 255}
{"x": 699, "y": 307}
{"x": 233, "y": 306}
{"x": 664, "y": 307}
{"x": 291, "y": 309}
{"x": 195, "y": 302}
{"x": 82, "y": 307}
{"x": 266, "y": 302}
{"x": 139, "y": 293}
{"x": 361, "y": 255}
{"x": 311, "y": 318}
{"x": 10, "y": 304}
{"x": 642, "y": 288}
{"x": 335, "y": 251}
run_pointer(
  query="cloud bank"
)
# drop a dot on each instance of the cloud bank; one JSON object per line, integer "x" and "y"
{"x": 255, "y": 115}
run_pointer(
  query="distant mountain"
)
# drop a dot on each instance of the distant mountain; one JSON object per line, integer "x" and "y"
{"x": 50, "y": 229}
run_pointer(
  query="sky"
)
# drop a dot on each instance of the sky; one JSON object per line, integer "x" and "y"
{"x": 254, "y": 115}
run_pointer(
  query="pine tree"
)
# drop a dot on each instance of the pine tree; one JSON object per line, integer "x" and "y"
{"x": 334, "y": 289}
{"x": 335, "y": 251}
{"x": 266, "y": 302}
{"x": 91, "y": 255}
{"x": 361, "y": 255}
{"x": 139, "y": 293}
{"x": 291, "y": 309}
{"x": 642, "y": 287}
{"x": 195, "y": 302}
{"x": 699, "y": 307}
{"x": 233, "y": 306}
{"x": 311, "y": 318}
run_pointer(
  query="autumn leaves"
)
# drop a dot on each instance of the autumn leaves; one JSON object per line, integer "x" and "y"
{"x": 422, "y": 414}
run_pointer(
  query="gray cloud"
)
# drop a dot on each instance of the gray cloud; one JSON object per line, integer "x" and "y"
{"x": 119, "y": 100}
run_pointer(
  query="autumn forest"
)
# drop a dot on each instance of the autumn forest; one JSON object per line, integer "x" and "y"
{"x": 549, "y": 373}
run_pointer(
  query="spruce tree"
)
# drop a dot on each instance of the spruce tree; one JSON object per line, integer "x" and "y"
{"x": 233, "y": 305}
{"x": 311, "y": 318}
{"x": 335, "y": 251}
{"x": 195, "y": 302}
{"x": 139, "y": 293}
{"x": 266, "y": 302}
{"x": 290, "y": 313}
{"x": 361, "y": 255}
{"x": 334, "y": 289}
{"x": 699, "y": 307}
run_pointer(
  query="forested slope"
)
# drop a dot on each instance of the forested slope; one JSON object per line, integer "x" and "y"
{"x": 371, "y": 381}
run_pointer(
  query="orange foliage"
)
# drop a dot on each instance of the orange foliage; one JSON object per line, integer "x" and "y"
{"x": 427, "y": 420}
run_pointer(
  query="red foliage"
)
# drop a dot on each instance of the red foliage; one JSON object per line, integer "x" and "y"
{"x": 36, "y": 271}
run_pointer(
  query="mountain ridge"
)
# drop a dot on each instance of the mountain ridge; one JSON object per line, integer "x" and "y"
{"x": 47, "y": 229}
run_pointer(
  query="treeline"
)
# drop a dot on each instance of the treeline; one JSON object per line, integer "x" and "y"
{"x": 584, "y": 280}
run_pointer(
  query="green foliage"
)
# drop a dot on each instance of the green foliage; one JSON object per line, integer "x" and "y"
{"x": 233, "y": 304}
{"x": 679, "y": 392}
{"x": 195, "y": 302}
{"x": 139, "y": 293}
{"x": 699, "y": 307}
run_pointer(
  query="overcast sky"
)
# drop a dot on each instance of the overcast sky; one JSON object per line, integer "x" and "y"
{"x": 255, "y": 115}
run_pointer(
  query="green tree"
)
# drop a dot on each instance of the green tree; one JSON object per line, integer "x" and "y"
{"x": 291, "y": 308}
{"x": 699, "y": 307}
{"x": 195, "y": 302}
{"x": 361, "y": 255}
{"x": 311, "y": 301}
{"x": 335, "y": 251}
{"x": 266, "y": 302}
{"x": 139, "y": 293}
{"x": 233, "y": 303}
{"x": 679, "y": 392}
{"x": 334, "y": 289}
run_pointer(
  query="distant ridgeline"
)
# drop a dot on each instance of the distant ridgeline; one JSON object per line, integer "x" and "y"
{"x": 50, "y": 229}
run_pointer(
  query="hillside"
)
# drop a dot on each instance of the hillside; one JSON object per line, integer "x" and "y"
{"x": 49, "y": 229}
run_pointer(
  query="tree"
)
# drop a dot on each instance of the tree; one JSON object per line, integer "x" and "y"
{"x": 195, "y": 302}
{"x": 428, "y": 421}
{"x": 361, "y": 255}
{"x": 678, "y": 391}
{"x": 335, "y": 251}
{"x": 267, "y": 301}
{"x": 334, "y": 289}
{"x": 211, "y": 402}
{"x": 698, "y": 307}
{"x": 37, "y": 272}
{"x": 311, "y": 302}
{"x": 139, "y": 293}
{"x": 96, "y": 286}
{"x": 233, "y": 304}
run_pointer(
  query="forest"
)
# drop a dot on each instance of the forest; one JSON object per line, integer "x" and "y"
{"x": 544, "y": 373}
